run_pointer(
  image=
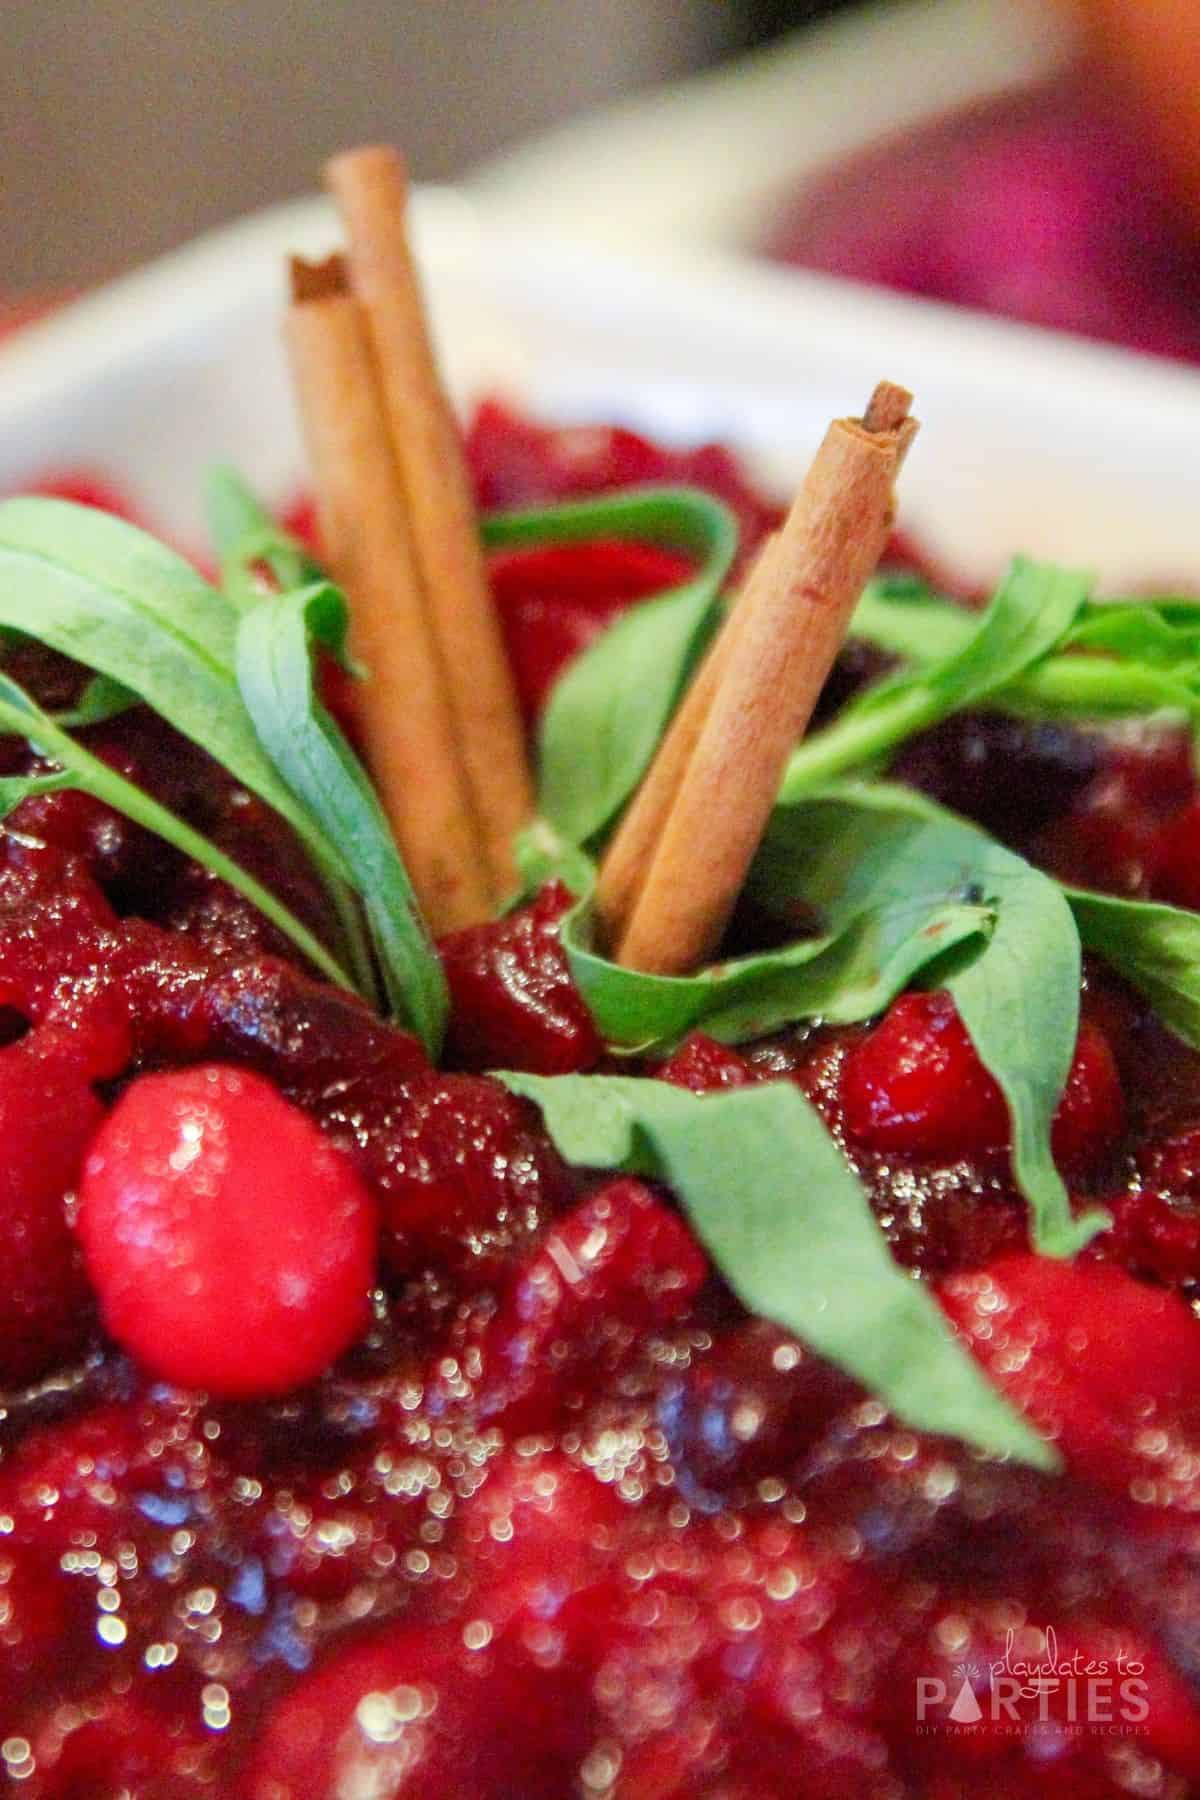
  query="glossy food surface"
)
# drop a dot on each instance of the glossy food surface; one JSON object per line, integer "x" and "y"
{"x": 563, "y": 1520}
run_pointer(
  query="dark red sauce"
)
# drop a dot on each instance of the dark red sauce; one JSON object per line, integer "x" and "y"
{"x": 565, "y": 1521}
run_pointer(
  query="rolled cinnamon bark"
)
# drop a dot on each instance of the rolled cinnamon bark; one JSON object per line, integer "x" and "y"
{"x": 371, "y": 190}
{"x": 407, "y": 721}
{"x": 777, "y": 661}
{"x": 628, "y": 857}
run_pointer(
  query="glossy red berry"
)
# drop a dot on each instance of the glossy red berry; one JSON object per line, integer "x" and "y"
{"x": 515, "y": 1005}
{"x": 620, "y": 1263}
{"x": 231, "y": 1246}
{"x": 464, "y": 1172}
{"x": 915, "y": 1086}
{"x": 704, "y": 1066}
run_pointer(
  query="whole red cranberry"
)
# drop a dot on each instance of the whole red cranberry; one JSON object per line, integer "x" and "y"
{"x": 231, "y": 1245}
{"x": 514, "y": 1003}
{"x": 915, "y": 1085}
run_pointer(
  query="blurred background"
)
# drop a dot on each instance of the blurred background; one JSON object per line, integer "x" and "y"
{"x": 1038, "y": 158}
{"x": 128, "y": 125}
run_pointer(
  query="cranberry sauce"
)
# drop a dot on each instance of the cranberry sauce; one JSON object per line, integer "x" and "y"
{"x": 562, "y": 1520}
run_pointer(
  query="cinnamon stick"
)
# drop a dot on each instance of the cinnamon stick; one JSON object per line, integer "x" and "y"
{"x": 408, "y": 724}
{"x": 777, "y": 661}
{"x": 371, "y": 190}
{"x": 628, "y": 857}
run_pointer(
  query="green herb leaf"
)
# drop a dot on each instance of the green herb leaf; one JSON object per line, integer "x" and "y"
{"x": 891, "y": 882}
{"x": 1020, "y": 1004}
{"x": 274, "y": 671}
{"x": 1156, "y": 948}
{"x": 609, "y": 708}
{"x": 902, "y": 616}
{"x": 107, "y": 594}
{"x": 20, "y": 715}
{"x": 1144, "y": 656}
{"x": 543, "y": 854}
{"x": 102, "y": 699}
{"x": 1033, "y": 609}
{"x": 15, "y": 788}
{"x": 902, "y": 889}
{"x": 246, "y": 538}
{"x": 789, "y": 1227}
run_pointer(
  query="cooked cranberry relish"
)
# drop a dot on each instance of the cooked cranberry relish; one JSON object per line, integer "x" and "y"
{"x": 564, "y": 1519}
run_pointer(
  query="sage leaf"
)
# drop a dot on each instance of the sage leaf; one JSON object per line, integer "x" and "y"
{"x": 610, "y": 706}
{"x": 274, "y": 672}
{"x": 785, "y": 1221}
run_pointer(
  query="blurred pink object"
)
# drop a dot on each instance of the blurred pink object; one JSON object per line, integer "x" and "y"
{"x": 1043, "y": 205}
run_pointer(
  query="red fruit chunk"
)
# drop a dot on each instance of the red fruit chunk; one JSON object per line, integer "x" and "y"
{"x": 310, "y": 1039}
{"x": 916, "y": 1086}
{"x": 704, "y": 1066}
{"x": 751, "y": 1407}
{"x": 47, "y": 1115}
{"x": 553, "y": 603}
{"x": 539, "y": 1531}
{"x": 620, "y": 1263}
{"x": 231, "y": 1245}
{"x": 1177, "y": 862}
{"x": 514, "y": 1002}
{"x": 427, "y": 1712}
{"x": 515, "y": 462}
{"x": 1101, "y": 1362}
{"x": 463, "y": 1170}
{"x": 1091, "y": 1113}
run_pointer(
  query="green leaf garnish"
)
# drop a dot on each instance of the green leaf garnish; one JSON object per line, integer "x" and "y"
{"x": 608, "y": 709}
{"x": 892, "y": 880}
{"x": 21, "y": 716}
{"x": 247, "y": 538}
{"x": 789, "y": 1227}
{"x": 902, "y": 616}
{"x": 104, "y": 592}
{"x": 102, "y": 699}
{"x": 274, "y": 671}
{"x": 1155, "y": 947}
{"x": 543, "y": 854}
{"x": 902, "y": 888}
{"x": 1141, "y": 656}
{"x": 1033, "y": 609}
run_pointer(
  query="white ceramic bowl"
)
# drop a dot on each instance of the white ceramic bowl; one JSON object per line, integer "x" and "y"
{"x": 1030, "y": 442}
